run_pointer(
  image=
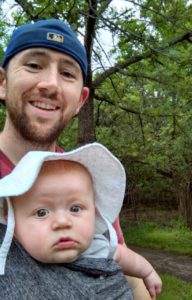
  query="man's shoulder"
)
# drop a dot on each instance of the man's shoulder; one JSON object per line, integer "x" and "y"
{"x": 58, "y": 149}
{"x": 6, "y": 165}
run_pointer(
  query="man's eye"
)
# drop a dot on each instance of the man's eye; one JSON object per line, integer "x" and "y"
{"x": 42, "y": 213}
{"x": 33, "y": 66}
{"x": 75, "y": 209}
{"x": 68, "y": 74}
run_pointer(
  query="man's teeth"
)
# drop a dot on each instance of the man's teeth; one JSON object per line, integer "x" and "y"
{"x": 44, "y": 105}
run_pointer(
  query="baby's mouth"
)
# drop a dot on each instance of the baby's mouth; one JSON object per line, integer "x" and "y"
{"x": 65, "y": 243}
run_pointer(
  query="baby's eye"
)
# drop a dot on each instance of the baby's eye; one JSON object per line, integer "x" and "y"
{"x": 75, "y": 209}
{"x": 41, "y": 213}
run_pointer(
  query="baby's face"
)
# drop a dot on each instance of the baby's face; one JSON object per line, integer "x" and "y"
{"x": 55, "y": 219}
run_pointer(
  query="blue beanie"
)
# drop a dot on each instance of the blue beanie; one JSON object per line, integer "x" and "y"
{"x": 51, "y": 33}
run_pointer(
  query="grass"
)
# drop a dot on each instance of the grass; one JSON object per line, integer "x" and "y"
{"x": 175, "y": 289}
{"x": 172, "y": 236}
{"x": 164, "y": 231}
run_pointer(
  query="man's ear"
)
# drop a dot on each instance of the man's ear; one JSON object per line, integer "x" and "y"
{"x": 83, "y": 98}
{"x": 2, "y": 84}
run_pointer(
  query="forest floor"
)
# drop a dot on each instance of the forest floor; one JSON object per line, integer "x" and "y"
{"x": 167, "y": 262}
{"x": 163, "y": 261}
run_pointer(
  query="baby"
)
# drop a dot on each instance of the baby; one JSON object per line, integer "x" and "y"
{"x": 64, "y": 206}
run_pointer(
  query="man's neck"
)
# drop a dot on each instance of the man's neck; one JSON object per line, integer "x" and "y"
{"x": 15, "y": 146}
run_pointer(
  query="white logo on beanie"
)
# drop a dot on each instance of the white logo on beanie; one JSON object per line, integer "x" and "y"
{"x": 52, "y": 36}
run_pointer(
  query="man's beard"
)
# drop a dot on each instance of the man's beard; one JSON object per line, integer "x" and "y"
{"x": 31, "y": 133}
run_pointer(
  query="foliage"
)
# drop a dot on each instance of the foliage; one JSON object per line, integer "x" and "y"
{"x": 68, "y": 138}
{"x": 2, "y": 115}
{"x": 175, "y": 289}
{"x": 174, "y": 236}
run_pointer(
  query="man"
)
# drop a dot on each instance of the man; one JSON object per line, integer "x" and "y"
{"x": 42, "y": 84}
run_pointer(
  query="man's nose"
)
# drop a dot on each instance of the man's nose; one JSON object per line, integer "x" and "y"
{"x": 49, "y": 81}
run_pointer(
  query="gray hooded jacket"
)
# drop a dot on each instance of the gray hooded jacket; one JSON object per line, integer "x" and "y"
{"x": 85, "y": 279}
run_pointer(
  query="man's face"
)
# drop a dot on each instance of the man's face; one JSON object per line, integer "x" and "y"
{"x": 43, "y": 91}
{"x": 55, "y": 219}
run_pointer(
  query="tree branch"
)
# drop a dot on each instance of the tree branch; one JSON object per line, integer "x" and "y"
{"x": 162, "y": 172}
{"x": 120, "y": 66}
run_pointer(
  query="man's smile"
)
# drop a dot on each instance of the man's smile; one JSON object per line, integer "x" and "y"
{"x": 44, "y": 106}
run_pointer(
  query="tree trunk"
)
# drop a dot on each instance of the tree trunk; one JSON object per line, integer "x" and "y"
{"x": 86, "y": 127}
{"x": 185, "y": 203}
